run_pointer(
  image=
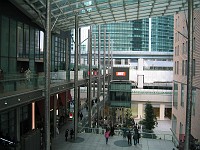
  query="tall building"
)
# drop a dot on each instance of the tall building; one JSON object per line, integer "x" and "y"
{"x": 180, "y": 77}
{"x": 151, "y": 34}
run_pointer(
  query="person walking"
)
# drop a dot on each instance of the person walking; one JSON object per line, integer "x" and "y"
{"x": 66, "y": 134}
{"x": 129, "y": 138}
{"x": 107, "y": 135}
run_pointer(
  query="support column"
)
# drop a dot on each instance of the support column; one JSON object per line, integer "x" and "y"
{"x": 94, "y": 64}
{"x": 18, "y": 124}
{"x": 122, "y": 115}
{"x": 79, "y": 100}
{"x": 76, "y": 80}
{"x": 104, "y": 72}
{"x": 90, "y": 76}
{"x": 33, "y": 115}
{"x": 109, "y": 65}
{"x": 189, "y": 75}
{"x": 99, "y": 76}
{"x": 54, "y": 115}
{"x": 47, "y": 76}
{"x": 79, "y": 59}
{"x": 67, "y": 62}
{"x": 140, "y": 111}
{"x": 162, "y": 111}
{"x": 123, "y": 61}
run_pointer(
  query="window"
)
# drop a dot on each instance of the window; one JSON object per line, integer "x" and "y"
{"x": 175, "y": 95}
{"x": 182, "y": 95}
{"x": 183, "y": 48}
{"x": 118, "y": 61}
{"x": 181, "y": 128}
{"x": 183, "y": 67}
{"x": 20, "y": 39}
{"x": 177, "y": 67}
{"x": 193, "y": 101}
{"x": 178, "y": 50}
{"x": 174, "y": 123}
{"x": 194, "y": 44}
{"x": 126, "y": 61}
{"x": 175, "y": 37}
{"x": 193, "y": 67}
{"x": 186, "y": 67}
{"x": 175, "y": 51}
{"x": 186, "y": 44}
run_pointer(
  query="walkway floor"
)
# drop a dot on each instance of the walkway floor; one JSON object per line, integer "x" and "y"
{"x": 90, "y": 141}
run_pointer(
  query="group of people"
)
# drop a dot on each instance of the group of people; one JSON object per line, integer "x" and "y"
{"x": 71, "y": 134}
{"x": 136, "y": 136}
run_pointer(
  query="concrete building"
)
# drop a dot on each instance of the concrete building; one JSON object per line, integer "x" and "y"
{"x": 180, "y": 76}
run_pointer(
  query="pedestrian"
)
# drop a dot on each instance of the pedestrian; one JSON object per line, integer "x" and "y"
{"x": 66, "y": 134}
{"x": 81, "y": 115}
{"x": 129, "y": 138}
{"x": 107, "y": 135}
{"x": 138, "y": 137}
{"x": 135, "y": 138}
{"x": 71, "y": 133}
{"x": 57, "y": 131}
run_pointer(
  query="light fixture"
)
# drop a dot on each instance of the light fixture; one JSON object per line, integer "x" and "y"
{"x": 5, "y": 103}
{"x": 19, "y": 99}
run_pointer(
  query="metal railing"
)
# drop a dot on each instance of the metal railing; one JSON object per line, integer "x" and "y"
{"x": 159, "y": 136}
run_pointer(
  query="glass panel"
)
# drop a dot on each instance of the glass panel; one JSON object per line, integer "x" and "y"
{"x": 19, "y": 39}
{"x": 13, "y": 40}
{"x": 37, "y": 44}
{"x": 26, "y": 41}
{"x": 4, "y": 36}
{"x": 41, "y": 44}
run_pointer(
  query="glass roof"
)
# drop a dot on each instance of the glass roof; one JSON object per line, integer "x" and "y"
{"x": 93, "y": 12}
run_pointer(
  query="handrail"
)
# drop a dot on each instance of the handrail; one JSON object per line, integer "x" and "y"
{"x": 9, "y": 142}
{"x": 160, "y": 136}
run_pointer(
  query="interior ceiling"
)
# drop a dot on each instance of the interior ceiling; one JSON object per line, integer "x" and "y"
{"x": 94, "y": 12}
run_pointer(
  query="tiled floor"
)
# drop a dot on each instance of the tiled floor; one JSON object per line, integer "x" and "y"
{"x": 91, "y": 141}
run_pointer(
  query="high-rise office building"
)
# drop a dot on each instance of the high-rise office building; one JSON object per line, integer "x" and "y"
{"x": 151, "y": 34}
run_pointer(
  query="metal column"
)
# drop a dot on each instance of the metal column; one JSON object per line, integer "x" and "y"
{"x": 54, "y": 115}
{"x": 67, "y": 68}
{"x": 47, "y": 76}
{"x": 109, "y": 64}
{"x": 79, "y": 53}
{"x": 79, "y": 62}
{"x": 90, "y": 75}
{"x": 94, "y": 64}
{"x": 17, "y": 126}
{"x": 104, "y": 72}
{"x": 76, "y": 80}
{"x": 99, "y": 76}
{"x": 67, "y": 61}
{"x": 189, "y": 75}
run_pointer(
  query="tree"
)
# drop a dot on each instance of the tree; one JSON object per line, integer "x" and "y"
{"x": 128, "y": 114}
{"x": 150, "y": 118}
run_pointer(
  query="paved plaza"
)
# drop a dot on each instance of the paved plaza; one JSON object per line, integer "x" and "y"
{"x": 91, "y": 141}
